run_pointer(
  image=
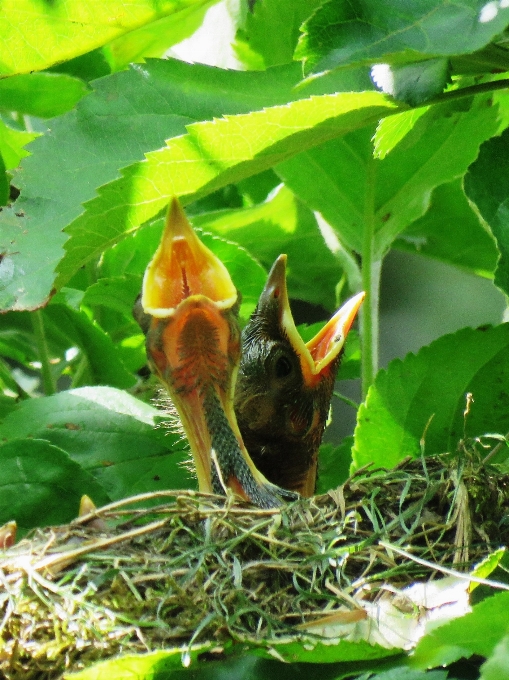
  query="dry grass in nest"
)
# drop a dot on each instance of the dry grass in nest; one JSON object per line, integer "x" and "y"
{"x": 200, "y": 567}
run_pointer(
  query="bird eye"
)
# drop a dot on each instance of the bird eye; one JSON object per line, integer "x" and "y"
{"x": 283, "y": 367}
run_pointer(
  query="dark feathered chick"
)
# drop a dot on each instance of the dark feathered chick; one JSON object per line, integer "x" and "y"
{"x": 285, "y": 386}
{"x": 188, "y": 311}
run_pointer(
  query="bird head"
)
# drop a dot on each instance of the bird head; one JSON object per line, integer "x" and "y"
{"x": 188, "y": 311}
{"x": 285, "y": 385}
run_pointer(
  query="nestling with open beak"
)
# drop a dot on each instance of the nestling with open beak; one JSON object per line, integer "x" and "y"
{"x": 188, "y": 311}
{"x": 285, "y": 386}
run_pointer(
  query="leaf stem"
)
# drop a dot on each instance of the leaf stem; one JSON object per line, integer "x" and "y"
{"x": 371, "y": 270}
{"x": 48, "y": 380}
{"x": 80, "y": 370}
{"x": 469, "y": 91}
{"x": 346, "y": 399}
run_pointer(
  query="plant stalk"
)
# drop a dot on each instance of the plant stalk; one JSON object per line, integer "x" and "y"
{"x": 48, "y": 380}
{"x": 371, "y": 271}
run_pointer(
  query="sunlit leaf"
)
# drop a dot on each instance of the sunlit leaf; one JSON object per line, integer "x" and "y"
{"x": 343, "y": 181}
{"x": 36, "y": 35}
{"x": 153, "y": 39}
{"x": 125, "y": 116}
{"x": 12, "y": 144}
{"x": 424, "y": 397}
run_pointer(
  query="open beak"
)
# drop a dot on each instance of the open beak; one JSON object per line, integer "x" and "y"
{"x": 317, "y": 357}
{"x": 193, "y": 345}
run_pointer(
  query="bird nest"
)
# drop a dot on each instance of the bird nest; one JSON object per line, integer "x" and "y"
{"x": 199, "y": 568}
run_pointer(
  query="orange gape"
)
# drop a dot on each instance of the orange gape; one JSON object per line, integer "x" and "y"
{"x": 189, "y": 312}
{"x": 285, "y": 386}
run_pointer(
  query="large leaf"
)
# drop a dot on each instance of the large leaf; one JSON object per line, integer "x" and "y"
{"x": 36, "y": 35}
{"x": 487, "y": 185}
{"x": 476, "y": 633}
{"x": 153, "y": 39}
{"x": 283, "y": 224}
{"x": 342, "y": 33}
{"x": 41, "y": 485}
{"x": 343, "y": 181}
{"x": 41, "y": 94}
{"x": 108, "y": 433}
{"x": 424, "y": 395}
{"x": 450, "y": 231}
{"x": 126, "y": 115}
{"x": 271, "y": 31}
{"x": 324, "y": 661}
{"x": 210, "y": 156}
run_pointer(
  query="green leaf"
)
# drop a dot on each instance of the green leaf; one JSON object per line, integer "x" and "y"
{"x": 409, "y": 674}
{"x": 41, "y": 94}
{"x": 151, "y": 666}
{"x": 36, "y": 35}
{"x": 476, "y": 633}
{"x": 282, "y": 224}
{"x": 374, "y": 31}
{"x": 7, "y": 405}
{"x": 12, "y": 143}
{"x": 153, "y": 39}
{"x": 413, "y": 83}
{"x": 338, "y": 178}
{"x": 88, "y": 66}
{"x": 321, "y": 656}
{"x": 108, "y": 433}
{"x": 487, "y": 185}
{"x": 7, "y": 380}
{"x": 497, "y": 666}
{"x": 126, "y": 115}
{"x": 73, "y": 328}
{"x": 118, "y": 293}
{"x": 495, "y": 568}
{"x": 41, "y": 485}
{"x": 334, "y": 465}
{"x": 390, "y": 131}
{"x": 241, "y": 146}
{"x": 316, "y": 651}
{"x": 271, "y": 32}
{"x": 450, "y": 231}
{"x": 16, "y": 338}
{"x": 424, "y": 395}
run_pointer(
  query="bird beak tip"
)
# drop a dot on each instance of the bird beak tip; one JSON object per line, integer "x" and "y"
{"x": 329, "y": 341}
{"x": 275, "y": 286}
